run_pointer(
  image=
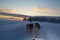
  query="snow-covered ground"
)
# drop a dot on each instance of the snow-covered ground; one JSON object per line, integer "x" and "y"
{"x": 16, "y": 30}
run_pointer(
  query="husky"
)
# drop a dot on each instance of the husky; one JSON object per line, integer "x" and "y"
{"x": 36, "y": 29}
{"x": 29, "y": 28}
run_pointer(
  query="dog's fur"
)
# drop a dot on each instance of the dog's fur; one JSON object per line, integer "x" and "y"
{"x": 36, "y": 29}
{"x": 37, "y": 25}
{"x": 29, "y": 28}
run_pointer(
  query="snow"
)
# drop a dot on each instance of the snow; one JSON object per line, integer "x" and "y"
{"x": 17, "y": 31}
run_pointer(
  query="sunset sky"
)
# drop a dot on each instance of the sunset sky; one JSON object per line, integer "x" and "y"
{"x": 31, "y": 7}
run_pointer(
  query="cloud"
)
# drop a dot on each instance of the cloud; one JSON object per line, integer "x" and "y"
{"x": 8, "y": 10}
{"x": 35, "y": 11}
{"x": 40, "y": 9}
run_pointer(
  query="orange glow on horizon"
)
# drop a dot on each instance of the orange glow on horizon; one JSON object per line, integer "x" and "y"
{"x": 12, "y": 17}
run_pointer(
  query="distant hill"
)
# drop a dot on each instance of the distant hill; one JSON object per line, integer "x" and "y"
{"x": 16, "y": 15}
{"x": 53, "y": 19}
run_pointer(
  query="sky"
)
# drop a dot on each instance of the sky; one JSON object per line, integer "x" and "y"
{"x": 31, "y": 7}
